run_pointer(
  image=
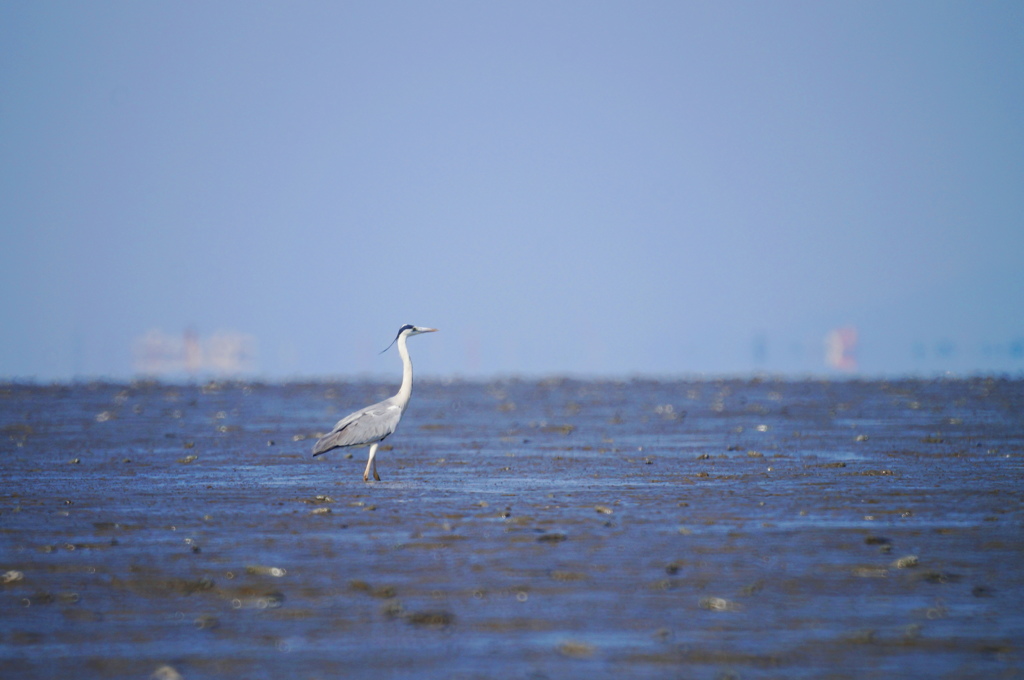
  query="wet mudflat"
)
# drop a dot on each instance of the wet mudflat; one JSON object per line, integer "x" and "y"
{"x": 523, "y": 529}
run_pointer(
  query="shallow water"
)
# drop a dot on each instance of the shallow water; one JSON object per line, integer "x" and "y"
{"x": 524, "y": 529}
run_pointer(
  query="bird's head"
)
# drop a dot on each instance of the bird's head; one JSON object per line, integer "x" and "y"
{"x": 408, "y": 330}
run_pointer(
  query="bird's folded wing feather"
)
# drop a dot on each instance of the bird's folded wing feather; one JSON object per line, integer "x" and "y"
{"x": 362, "y": 427}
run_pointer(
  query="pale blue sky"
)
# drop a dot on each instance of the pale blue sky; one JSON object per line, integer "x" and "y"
{"x": 594, "y": 188}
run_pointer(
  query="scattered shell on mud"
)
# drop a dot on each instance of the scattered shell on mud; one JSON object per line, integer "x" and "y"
{"x": 11, "y": 576}
{"x": 262, "y": 570}
{"x": 718, "y": 604}
{"x": 166, "y": 673}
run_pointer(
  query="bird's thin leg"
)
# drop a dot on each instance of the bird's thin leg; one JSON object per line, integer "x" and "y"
{"x": 371, "y": 464}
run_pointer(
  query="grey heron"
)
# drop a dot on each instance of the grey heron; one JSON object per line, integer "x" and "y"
{"x": 371, "y": 425}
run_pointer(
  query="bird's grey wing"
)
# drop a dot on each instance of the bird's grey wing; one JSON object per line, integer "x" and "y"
{"x": 372, "y": 424}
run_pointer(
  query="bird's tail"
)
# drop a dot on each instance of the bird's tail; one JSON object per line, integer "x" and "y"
{"x": 325, "y": 444}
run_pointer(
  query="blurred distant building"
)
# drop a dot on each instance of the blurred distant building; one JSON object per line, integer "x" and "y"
{"x": 840, "y": 348}
{"x": 222, "y": 353}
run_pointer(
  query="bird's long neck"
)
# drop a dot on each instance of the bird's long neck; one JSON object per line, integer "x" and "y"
{"x": 405, "y": 391}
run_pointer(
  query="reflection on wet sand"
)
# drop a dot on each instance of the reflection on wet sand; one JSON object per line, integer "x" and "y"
{"x": 554, "y": 528}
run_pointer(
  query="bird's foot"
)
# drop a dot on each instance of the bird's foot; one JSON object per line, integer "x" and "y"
{"x": 376, "y": 476}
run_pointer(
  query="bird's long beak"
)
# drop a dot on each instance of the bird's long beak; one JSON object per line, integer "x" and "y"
{"x": 425, "y": 330}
